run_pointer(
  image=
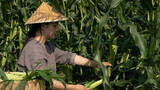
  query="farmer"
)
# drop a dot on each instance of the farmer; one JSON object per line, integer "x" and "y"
{"x": 38, "y": 51}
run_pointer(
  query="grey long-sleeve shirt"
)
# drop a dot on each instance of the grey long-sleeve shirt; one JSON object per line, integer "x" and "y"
{"x": 35, "y": 55}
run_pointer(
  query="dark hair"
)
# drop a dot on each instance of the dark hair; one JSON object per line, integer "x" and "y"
{"x": 32, "y": 32}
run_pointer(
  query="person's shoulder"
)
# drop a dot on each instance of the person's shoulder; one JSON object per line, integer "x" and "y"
{"x": 32, "y": 44}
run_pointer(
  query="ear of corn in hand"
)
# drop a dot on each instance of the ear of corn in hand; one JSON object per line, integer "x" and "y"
{"x": 95, "y": 84}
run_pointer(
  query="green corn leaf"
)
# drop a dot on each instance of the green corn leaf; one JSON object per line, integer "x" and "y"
{"x": 5, "y": 84}
{"x": 121, "y": 83}
{"x": 27, "y": 76}
{"x": 81, "y": 11}
{"x": 25, "y": 16}
{"x": 152, "y": 47}
{"x": 3, "y": 75}
{"x": 67, "y": 72}
{"x": 114, "y": 48}
{"x": 4, "y": 58}
{"x": 21, "y": 84}
{"x": 70, "y": 3}
{"x": 67, "y": 31}
{"x": 97, "y": 45}
{"x": 123, "y": 27}
{"x": 115, "y": 3}
{"x": 41, "y": 84}
{"x": 92, "y": 2}
{"x": 140, "y": 41}
{"x": 102, "y": 22}
{"x": 147, "y": 4}
{"x": 152, "y": 81}
{"x": 51, "y": 83}
{"x": 63, "y": 82}
{"x": 14, "y": 33}
{"x": 52, "y": 74}
{"x": 87, "y": 84}
{"x": 43, "y": 75}
{"x": 20, "y": 38}
{"x": 104, "y": 70}
{"x": 157, "y": 76}
{"x": 150, "y": 73}
{"x": 120, "y": 14}
{"x": 10, "y": 84}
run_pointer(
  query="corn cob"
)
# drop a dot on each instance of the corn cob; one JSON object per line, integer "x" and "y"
{"x": 19, "y": 73}
{"x": 95, "y": 84}
{"x": 13, "y": 77}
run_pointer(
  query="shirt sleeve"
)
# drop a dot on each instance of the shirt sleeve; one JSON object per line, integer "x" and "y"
{"x": 64, "y": 57}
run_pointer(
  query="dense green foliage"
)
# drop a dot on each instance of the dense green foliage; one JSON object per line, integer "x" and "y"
{"x": 39, "y": 75}
{"x": 125, "y": 33}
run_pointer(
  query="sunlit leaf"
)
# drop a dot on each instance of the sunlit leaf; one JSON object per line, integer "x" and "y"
{"x": 140, "y": 41}
{"x": 121, "y": 83}
{"x": 43, "y": 75}
{"x": 115, "y": 3}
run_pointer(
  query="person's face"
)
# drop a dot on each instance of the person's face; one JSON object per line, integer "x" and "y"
{"x": 50, "y": 30}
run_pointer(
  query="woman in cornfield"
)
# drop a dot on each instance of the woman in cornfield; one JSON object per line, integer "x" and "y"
{"x": 39, "y": 54}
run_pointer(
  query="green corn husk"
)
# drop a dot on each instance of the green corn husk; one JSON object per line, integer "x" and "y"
{"x": 14, "y": 77}
{"x": 19, "y": 73}
{"x": 95, "y": 84}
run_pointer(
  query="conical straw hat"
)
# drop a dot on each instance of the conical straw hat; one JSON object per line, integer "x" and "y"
{"x": 44, "y": 14}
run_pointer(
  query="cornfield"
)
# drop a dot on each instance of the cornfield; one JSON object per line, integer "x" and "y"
{"x": 125, "y": 33}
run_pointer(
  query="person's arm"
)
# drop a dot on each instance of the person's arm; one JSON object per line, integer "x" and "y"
{"x": 59, "y": 86}
{"x": 81, "y": 61}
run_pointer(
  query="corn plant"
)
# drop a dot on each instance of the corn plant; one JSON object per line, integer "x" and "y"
{"x": 125, "y": 33}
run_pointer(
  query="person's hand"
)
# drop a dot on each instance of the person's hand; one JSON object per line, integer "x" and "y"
{"x": 80, "y": 87}
{"x": 107, "y": 64}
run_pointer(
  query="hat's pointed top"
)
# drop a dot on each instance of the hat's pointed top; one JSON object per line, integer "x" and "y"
{"x": 44, "y": 14}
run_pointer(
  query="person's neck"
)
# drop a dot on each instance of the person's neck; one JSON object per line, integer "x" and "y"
{"x": 41, "y": 39}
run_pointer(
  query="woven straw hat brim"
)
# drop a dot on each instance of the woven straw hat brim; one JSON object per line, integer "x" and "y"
{"x": 46, "y": 21}
{"x": 45, "y": 14}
